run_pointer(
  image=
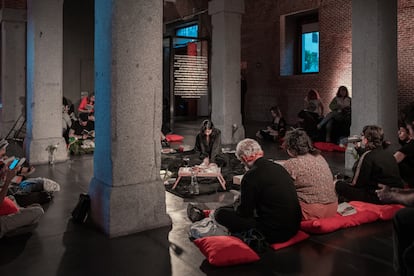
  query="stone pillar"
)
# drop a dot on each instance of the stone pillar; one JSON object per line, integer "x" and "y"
{"x": 13, "y": 74}
{"x": 44, "y": 80}
{"x": 374, "y": 66}
{"x": 225, "y": 68}
{"x": 127, "y": 195}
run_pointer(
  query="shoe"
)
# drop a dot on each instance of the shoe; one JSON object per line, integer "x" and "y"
{"x": 194, "y": 213}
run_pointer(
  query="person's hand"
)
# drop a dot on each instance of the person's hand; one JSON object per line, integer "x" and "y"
{"x": 9, "y": 174}
{"x": 384, "y": 193}
{"x": 206, "y": 161}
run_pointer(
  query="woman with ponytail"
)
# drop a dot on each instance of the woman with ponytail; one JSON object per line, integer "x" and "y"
{"x": 312, "y": 176}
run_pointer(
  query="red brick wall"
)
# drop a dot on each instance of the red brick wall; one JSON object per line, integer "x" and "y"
{"x": 13, "y": 4}
{"x": 405, "y": 52}
{"x": 260, "y": 49}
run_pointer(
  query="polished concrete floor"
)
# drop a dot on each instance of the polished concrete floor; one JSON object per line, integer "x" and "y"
{"x": 59, "y": 247}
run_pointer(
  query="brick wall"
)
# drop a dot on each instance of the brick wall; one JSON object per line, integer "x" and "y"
{"x": 405, "y": 52}
{"x": 13, "y": 4}
{"x": 260, "y": 49}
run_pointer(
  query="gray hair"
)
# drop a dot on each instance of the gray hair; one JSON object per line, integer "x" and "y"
{"x": 299, "y": 143}
{"x": 247, "y": 147}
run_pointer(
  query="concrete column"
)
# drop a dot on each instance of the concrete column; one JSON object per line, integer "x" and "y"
{"x": 126, "y": 192}
{"x": 374, "y": 66}
{"x": 225, "y": 68}
{"x": 13, "y": 74}
{"x": 44, "y": 80}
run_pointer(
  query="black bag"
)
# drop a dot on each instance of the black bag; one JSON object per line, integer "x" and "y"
{"x": 25, "y": 199}
{"x": 81, "y": 211}
{"x": 254, "y": 239}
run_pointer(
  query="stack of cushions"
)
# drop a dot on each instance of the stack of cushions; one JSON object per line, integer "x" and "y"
{"x": 366, "y": 212}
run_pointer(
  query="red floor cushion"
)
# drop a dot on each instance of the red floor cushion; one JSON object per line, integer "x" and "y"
{"x": 226, "y": 250}
{"x": 8, "y": 207}
{"x": 366, "y": 212}
{"x": 385, "y": 211}
{"x": 327, "y": 225}
{"x": 174, "y": 138}
{"x": 324, "y": 146}
{"x": 300, "y": 236}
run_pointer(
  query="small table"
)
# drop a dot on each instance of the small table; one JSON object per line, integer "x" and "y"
{"x": 203, "y": 172}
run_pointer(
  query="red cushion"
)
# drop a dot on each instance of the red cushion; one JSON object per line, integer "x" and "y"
{"x": 324, "y": 146}
{"x": 327, "y": 225}
{"x": 174, "y": 138}
{"x": 8, "y": 207}
{"x": 385, "y": 211}
{"x": 300, "y": 236}
{"x": 226, "y": 250}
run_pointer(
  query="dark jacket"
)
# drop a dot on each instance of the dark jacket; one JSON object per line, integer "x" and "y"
{"x": 211, "y": 149}
{"x": 268, "y": 194}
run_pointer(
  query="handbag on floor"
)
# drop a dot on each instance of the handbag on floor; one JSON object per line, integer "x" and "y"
{"x": 81, "y": 211}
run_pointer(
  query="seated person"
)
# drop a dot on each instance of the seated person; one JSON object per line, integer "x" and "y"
{"x": 403, "y": 226}
{"x": 312, "y": 114}
{"x": 312, "y": 176}
{"x": 340, "y": 111}
{"x": 83, "y": 128}
{"x": 405, "y": 155}
{"x": 87, "y": 104}
{"x": 277, "y": 127}
{"x": 268, "y": 200}
{"x": 375, "y": 165}
{"x": 25, "y": 219}
{"x": 208, "y": 144}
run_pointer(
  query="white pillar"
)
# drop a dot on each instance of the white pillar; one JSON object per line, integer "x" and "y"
{"x": 126, "y": 192}
{"x": 374, "y": 66}
{"x": 44, "y": 80}
{"x": 225, "y": 68}
{"x": 13, "y": 74}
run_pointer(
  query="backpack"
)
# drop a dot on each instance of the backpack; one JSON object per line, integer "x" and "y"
{"x": 81, "y": 211}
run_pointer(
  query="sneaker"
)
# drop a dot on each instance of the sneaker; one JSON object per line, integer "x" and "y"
{"x": 194, "y": 213}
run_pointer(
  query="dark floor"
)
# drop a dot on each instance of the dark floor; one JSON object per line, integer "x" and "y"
{"x": 58, "y": 247}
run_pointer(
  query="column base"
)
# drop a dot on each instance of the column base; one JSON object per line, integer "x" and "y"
{"x": 124, "y": 210}
{"x": 37, "y": 150}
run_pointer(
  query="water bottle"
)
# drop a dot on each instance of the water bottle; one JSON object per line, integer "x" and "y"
{"x": 194, "y": 188}
{"x": 350, "y": 156}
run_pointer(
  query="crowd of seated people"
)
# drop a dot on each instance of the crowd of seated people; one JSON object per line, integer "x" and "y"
{"x": 78, "y": 127}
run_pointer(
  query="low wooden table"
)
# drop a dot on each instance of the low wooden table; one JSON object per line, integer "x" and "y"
{"x": 202, "y": 172}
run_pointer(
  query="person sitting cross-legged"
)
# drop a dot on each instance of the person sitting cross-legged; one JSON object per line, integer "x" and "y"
{"x": 312, "y": 176}
{"x": 268, "y": 200}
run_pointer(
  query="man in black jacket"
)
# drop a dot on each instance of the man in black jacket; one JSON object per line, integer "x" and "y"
{"x": 268, "y": 200}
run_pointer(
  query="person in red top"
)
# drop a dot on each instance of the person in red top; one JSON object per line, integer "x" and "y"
{"x": 87, "y": 104}
{"x": 15, "y": 220}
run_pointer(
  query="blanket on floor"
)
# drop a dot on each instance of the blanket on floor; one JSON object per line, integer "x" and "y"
{"x": 173, "y": 161}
